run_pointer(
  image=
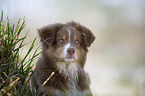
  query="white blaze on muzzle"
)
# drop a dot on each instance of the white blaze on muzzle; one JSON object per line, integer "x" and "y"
{"x": 67, "y": 46}
{"x": 69, "y": 53}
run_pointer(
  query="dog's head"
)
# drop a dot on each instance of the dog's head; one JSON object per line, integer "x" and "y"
{"x": 67, "y": 42}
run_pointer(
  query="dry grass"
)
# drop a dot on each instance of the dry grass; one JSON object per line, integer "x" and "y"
{"x": 15, "y": 73}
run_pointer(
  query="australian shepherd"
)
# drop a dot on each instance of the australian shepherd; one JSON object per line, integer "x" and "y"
{"x": 65, "y": 47}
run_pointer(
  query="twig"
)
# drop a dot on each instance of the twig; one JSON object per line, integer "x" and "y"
{"x": 46, "y": 81}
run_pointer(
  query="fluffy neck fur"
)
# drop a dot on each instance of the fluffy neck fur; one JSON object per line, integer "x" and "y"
{"x": 69, "y": 70}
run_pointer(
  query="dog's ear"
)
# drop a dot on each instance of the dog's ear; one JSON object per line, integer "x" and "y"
{"x": 88, "y": 36}
{"x": 47, "y": 34}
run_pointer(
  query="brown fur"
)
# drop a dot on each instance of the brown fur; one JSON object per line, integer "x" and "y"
{"x": 67, "y": 81}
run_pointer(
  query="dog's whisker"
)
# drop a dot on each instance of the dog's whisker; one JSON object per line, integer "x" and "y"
{"x": 47, "y": 39}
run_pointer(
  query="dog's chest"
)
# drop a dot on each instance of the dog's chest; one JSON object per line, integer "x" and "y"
{"x": 70, "y": 72}
{"x": 73, "y": 89}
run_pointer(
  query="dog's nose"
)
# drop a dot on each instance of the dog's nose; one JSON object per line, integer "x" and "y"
{"x": 70, "y": 51}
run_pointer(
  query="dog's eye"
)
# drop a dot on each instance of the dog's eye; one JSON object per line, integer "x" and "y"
{"x": 60, "y": 40}
{"x": 77, "y": 41}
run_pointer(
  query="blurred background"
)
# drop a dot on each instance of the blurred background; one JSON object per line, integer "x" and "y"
{"x": 116, "y": 60}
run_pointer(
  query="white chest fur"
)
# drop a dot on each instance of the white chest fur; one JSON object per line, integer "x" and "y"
{"x": 69, "y": 70}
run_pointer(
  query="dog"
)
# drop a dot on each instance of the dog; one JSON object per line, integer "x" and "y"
{"x": 65, "y": 47}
